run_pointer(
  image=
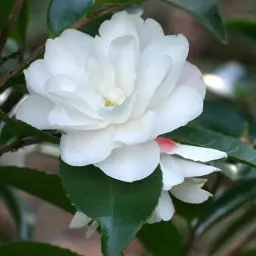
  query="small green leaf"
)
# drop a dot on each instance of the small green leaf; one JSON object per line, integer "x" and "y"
{"x": 32, "y": 249}
{"x": 205, "y": 12}
{"x": 161, "y": 238}
{"x": 120, "y": 207}
{"x": 63, "y": 13}
{"x": 199, "y": 136}
{"x": 247, "y": 218}
{"x": 245, "y": 27}
{"x": 238, "y": 196}
{"x": 38, "y": 183}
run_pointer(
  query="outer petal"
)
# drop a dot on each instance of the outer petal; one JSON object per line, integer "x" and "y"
{"x": 164, "y": 210}
{"x": 197, "y": 153}
{"x": 193, "y": 169}
{"x": 79, "y": 220}
{"x": 137, "y": 130}
{"x": 63, "y": 58}
{"x": 192, "y": 76}
{"x": 184, "y": 105}
{"x": 177, "y": 48}
{"x": 131, "y": 163}
{"x": 120, "y": 25}
{"x": 36, "y": 76}
{"x": 82, "y": 148}
{"x": 190, "y": 191}
{"x": 35, "y": 110}
{"x": 77, "y": 38}
{"x": 160, "y": 67}
{"x": 172, "y": 174}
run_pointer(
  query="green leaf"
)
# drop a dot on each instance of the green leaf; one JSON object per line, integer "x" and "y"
{"x": 12, "y": 204}
{"x": 247, "y": 218}
{"x": 32, "y": 249}
{"x": 238, "y": 196}
{"x": 160, "y": 238}
{"x": 63, "y": 13}
{"x": 26, "y": 129}
{"x": 199, "y": 136}
{"x": 38, "y": 183}
{"x": 120, "y": 207}
{"x": 245, "y": 27}
{"x": 205, "y": 12}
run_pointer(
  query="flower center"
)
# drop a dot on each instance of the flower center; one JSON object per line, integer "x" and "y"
{"x": 114, "y": 97}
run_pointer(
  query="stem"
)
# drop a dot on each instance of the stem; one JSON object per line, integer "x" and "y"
{"x": 40, "y": 50}
{"x": 8, "y": 57}
{"x": 18, "y": 144}
{"x": 13, "y": 16}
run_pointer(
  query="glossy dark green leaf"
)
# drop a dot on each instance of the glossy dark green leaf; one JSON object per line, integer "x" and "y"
{"x": 223, "y": 117}
{"x": 205, "y": 12}
{"x": 161, "y": 239}
{"x": 32, "y": 249}
{"x": 244, "y": 27}
{"x": 38, "y": 183}
{"x": 199, "y": 136}
{"x": 238, "y": 196}
{"x": 247, "y": 218}
{"x": 26, "y": 129}
{"x": 63, "y": 13}
{"x": 120, "y": 207}
{"x": 7, "y": 135}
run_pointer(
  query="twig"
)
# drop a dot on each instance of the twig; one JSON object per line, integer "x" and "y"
{"x": 13, "y": 16}
{"x": 17, "y": 144}
{"x": 39, "y": 51}
{"x": 8, "y": 57}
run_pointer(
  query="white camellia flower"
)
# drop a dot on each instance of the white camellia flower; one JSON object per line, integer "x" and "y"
{"x": 180, "y": 164}
{"x": 112, "y": 95}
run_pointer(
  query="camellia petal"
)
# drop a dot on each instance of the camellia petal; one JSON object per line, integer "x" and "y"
{"x": 80, "y": 148}
{"x": 35, "y": 110}
{"x": 172, "y": 174}
{"x": 164, "y": 210}
{"x": 37, "y": 76}
{"x": 190, "y": 191}
{"x": 197, "y": 153}
{"x": 79, "y": 220}
{"x": 194, "y": 169}
{"x": 184, "y": 105}
{"x": 131, "y": 163}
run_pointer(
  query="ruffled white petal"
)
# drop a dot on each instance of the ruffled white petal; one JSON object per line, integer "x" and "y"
{"x": 190, "y": 191}
{"x": 192, "y": 76}
{"x": 137, "y": 130}
{"x": 164, "y": 210}
{"x": 35, "y": 111}
{"x": 197, "y": 153}
{"x": 184, "y": 105}
{"x": 79, "y": 220}
{"x": 131, "y": 163}
{"x": 82, "y": 148}
{"x": 172, "y": 174}
{"x": 193, "y": 169}
{"x": 37, "y": 76}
